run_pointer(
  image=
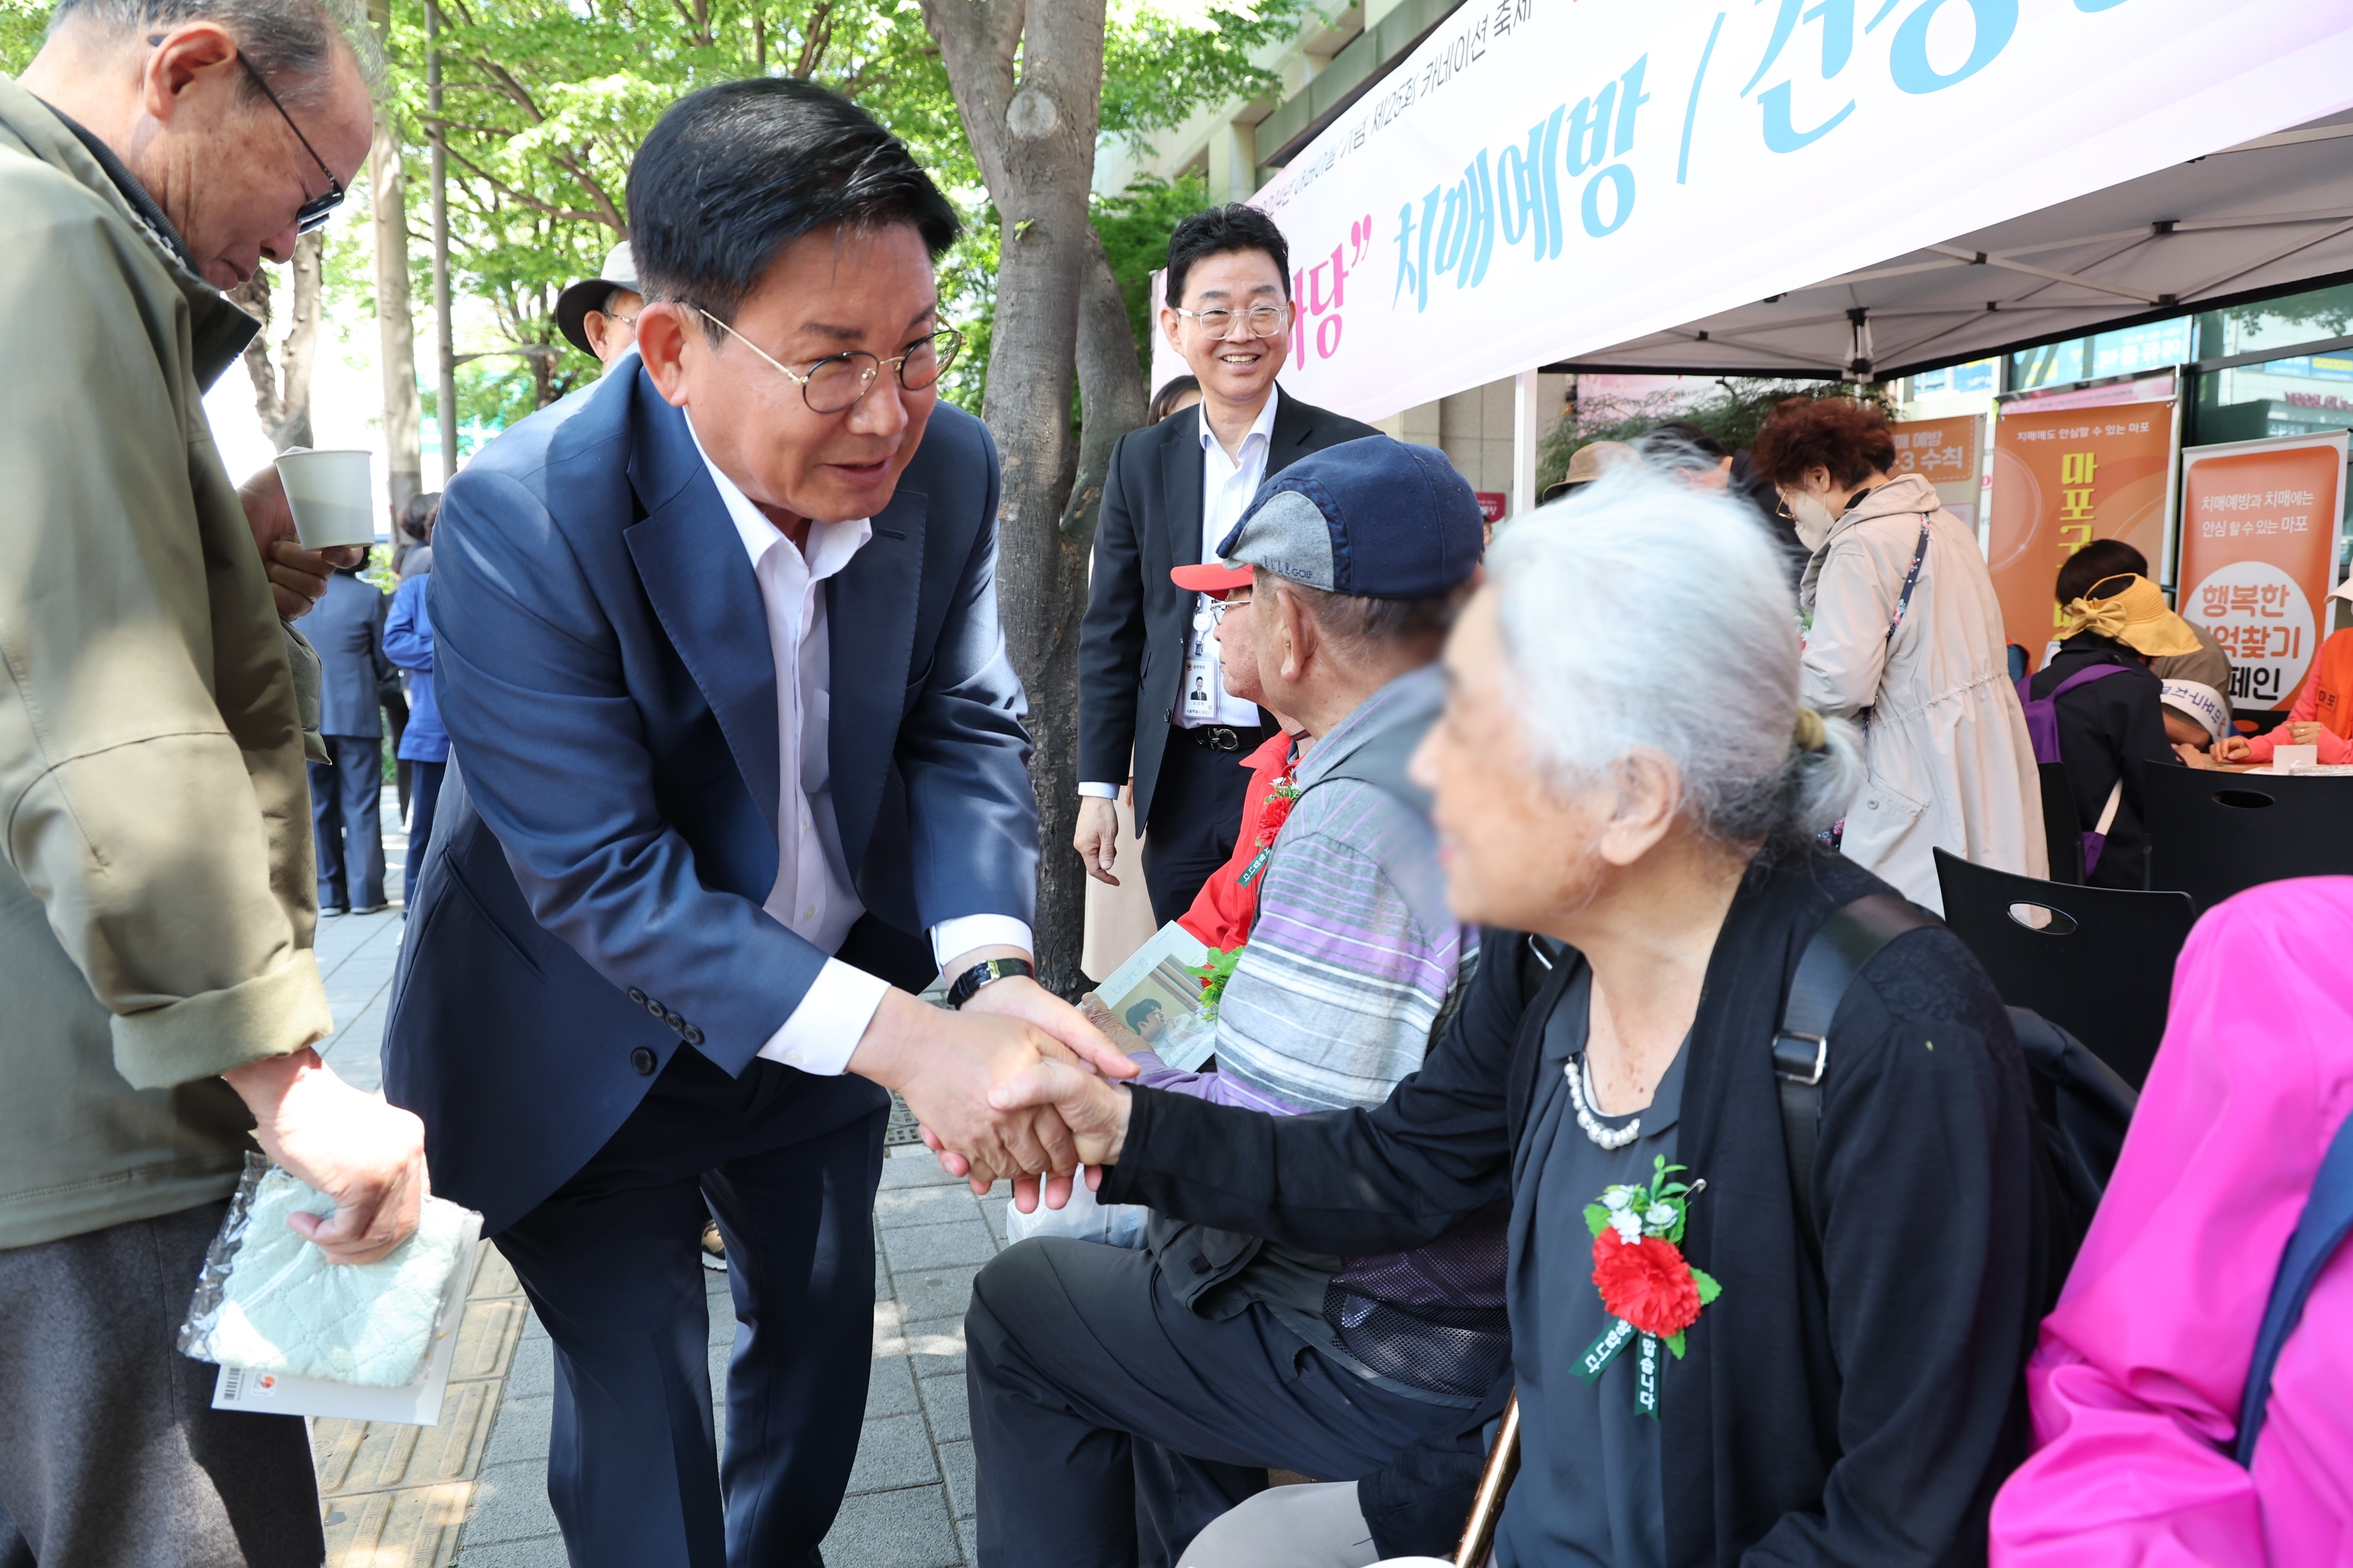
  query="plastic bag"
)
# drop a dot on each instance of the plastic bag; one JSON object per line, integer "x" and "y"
{"x": 267, "y": 1299}
{"x": 1083, "y": 1218}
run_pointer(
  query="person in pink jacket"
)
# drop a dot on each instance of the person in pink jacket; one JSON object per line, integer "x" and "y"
{"x": 2137, "y": 1383}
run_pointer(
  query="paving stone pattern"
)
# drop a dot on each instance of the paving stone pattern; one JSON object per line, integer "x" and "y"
{"x": 911, "y": 1494}
{"x": 473, "y": 1492}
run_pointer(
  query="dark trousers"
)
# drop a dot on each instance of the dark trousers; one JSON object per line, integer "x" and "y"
{"x": 1197, "y": 816}
{"x": 426, "y": 795}
{"x": 347, "y": 811}
{"x": 110, "y": 1452}
{"x": 1111, "y": 1424}
{"x": 788, "y": 1164}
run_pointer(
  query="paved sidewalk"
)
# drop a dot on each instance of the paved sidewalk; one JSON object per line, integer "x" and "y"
{"x": 472, "y": 1491}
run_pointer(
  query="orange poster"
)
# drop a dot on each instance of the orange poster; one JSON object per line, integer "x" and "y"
{"x": 2062, "y": 478}
{"x": 2258, "y": 540}
{"x": 1947, "y": 454}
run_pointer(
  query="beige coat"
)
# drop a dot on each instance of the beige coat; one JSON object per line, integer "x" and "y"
{"x": 1951, "y": 766}
{"x": 156, "y": 897}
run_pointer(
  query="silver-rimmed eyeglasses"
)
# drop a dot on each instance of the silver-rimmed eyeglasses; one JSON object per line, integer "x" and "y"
{"x": 838, "y": 381}
{"x": 1259, "y": 321}
{"x": 1219, "y": 608}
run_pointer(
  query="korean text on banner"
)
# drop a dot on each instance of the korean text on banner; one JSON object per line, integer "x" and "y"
{"x": 2260, "y": 524}
{"x": 2062, "y": 479}
{"x": 1539, "y": 179}
{"x": 1948, "y": 454}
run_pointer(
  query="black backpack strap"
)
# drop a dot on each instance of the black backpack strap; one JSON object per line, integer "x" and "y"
{"x": 1802, "y": 1046}
{"x": 2327, "y": 1216}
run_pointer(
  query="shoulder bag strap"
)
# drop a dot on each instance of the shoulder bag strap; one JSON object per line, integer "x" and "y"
{"x": 1911, "y": 581}
{"x": 2327, "y": 1216}
{"x": 1837, "y": 953}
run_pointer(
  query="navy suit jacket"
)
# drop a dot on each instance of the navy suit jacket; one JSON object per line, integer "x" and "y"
{"x": 592, "y": 898}
{"x": 346, "y": 628}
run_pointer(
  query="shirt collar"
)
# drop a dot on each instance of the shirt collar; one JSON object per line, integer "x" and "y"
{"x": 830, "y": 545}
{"x": 1261, "y": 429}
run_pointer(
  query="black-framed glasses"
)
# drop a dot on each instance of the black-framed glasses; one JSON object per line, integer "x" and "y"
{"x": 838, "y": 382}
{"x": 315, "y": 211}
{"x": 1260, "y": 321}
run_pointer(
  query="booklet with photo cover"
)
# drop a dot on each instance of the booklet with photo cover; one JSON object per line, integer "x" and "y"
{"x": 1153, "y": 995}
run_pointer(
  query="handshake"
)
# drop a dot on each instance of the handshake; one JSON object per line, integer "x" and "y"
{"x": 1017, "y": 1085}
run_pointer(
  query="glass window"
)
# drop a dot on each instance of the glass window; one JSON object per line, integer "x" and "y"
{"x": 2049, "y": 365}
{"x": 2276, "y": 323}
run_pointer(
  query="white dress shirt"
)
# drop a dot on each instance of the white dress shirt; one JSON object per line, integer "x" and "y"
{"x": 1227, "y": 486}
{"x": 813, "y": 897}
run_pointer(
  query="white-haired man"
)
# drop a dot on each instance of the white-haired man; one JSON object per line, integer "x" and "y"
{"x": 156, "y": 903}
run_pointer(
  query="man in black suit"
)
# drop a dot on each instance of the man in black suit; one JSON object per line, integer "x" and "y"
{"x": 1149, "y": 686}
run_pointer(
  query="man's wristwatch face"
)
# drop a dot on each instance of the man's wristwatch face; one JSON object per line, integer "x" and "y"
{"x": 982, "y": 973}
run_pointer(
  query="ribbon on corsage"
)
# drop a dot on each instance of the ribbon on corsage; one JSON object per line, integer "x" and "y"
{"x": 1651, "y": 1293}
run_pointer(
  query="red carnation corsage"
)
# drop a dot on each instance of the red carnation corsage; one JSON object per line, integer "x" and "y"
{"x": 1651, "y": 1292}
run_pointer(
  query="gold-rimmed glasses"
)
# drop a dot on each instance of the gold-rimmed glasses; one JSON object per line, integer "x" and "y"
{"x": 838, "y": 381}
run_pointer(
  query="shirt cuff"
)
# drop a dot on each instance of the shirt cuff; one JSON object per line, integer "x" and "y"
{"x": 824, "y": 1030}
{"x": 1098, "y": 791}
{"x": 965, "y": 932}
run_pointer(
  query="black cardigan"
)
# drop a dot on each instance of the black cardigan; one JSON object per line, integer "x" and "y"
{"x": 1868, "y": 1423}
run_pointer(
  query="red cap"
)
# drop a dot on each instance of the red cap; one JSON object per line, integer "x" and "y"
{"x": 1211, "y": 577}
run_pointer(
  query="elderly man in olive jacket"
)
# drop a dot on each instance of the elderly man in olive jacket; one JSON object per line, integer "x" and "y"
{"x": 156, "y": 902}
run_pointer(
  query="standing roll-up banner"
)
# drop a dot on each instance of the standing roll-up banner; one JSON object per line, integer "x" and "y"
{"x": 1541, "y": 178}
{"x": 2062, "y": 478}
{"x": 1948, "y": 454}
{"x": 2260, "y": 535}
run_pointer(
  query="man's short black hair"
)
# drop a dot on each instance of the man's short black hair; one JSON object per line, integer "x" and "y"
{"x": 733, "y": 174}
{"x": 1684, "y": 432}
{"x": 1224, "y": 231}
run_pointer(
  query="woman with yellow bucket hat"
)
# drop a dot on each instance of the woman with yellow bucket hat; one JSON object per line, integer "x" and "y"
{"x": 2112, "y": 726}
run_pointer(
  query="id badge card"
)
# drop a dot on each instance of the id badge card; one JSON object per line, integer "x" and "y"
{"x": 1198, "y": 697}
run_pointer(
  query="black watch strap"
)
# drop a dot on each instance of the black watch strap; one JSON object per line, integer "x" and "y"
{"x": 982, "y": 973}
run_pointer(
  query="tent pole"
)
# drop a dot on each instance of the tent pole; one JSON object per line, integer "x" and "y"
{"x": 1526, "y": 430}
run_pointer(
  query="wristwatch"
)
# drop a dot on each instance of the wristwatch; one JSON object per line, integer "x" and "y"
{"x": 983, "y": 972}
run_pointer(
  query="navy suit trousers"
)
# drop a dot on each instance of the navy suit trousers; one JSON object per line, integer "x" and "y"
{"x": 347, "y": 813}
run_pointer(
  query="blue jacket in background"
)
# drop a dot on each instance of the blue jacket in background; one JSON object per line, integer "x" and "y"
{"x": 408, "y": 643}
{"x": 606, "y": 835}
{"x": 346, "y": 627}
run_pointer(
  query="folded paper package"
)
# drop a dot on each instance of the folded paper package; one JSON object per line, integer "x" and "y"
{"x": 271, "y": 1301}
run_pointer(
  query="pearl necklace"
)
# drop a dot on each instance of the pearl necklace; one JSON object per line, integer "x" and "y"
{"x": 1578, "y": 1071}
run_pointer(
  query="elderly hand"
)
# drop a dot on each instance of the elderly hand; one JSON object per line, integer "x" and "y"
{"x": 298, "y": 577}
{"x": 1096, "y": 1113}
{"x": 366, "y": 1154}
{"x": 945, "y": 1064}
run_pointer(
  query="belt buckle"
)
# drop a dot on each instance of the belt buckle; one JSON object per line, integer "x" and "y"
{"x": 1223, "y": 738}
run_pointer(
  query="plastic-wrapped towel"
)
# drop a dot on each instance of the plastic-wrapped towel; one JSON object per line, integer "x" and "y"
{"x": 269, "y": 1300}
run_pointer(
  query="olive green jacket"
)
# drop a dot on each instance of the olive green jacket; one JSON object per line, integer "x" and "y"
{"x": 156, "y": 881}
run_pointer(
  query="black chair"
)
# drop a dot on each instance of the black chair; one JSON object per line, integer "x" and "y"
{"x": 2211, "y": 835}
{"x": 2100, "y": 965}
{"x": 2063, "y": 831}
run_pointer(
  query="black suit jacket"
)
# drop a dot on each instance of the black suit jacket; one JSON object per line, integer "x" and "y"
{"x": 1132, "y": 644}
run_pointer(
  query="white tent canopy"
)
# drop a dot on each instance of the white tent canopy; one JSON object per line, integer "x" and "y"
{"x": 2262, "y": 217}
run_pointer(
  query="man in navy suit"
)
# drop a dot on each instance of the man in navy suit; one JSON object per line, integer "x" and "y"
{"x": 732, "y": 731}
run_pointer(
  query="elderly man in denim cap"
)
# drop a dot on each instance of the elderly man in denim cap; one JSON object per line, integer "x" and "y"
{"x": 1121, "y": 1399}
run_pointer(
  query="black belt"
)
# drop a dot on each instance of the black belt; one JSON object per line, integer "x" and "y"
{"x": 1223, "y": 737}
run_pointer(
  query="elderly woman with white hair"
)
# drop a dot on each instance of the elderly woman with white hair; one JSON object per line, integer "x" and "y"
{"x": 1742, "y": 1330}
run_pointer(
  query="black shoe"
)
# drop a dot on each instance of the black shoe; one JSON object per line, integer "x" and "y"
{"x": 714, "y": 1249}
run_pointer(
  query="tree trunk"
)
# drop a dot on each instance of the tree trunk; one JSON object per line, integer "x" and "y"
{"x": 395, "y": 322}
{"x": 1034, "y": 138}
{"x": 282, "y": 390}
{"x": 1111, "y": 389}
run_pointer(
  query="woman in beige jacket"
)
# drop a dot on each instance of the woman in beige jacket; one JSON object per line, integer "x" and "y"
{"x": 1904, "y": 637}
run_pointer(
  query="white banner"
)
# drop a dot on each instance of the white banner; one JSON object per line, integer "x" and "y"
{"x": 1543, "y": 178}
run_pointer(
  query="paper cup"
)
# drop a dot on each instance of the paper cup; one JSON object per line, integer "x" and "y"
{"x": 329, "y": 492}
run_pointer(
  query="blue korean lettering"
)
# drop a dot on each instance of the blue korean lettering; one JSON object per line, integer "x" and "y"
{"x": 1413, "y": 252}
{"x": 1466, "y": 228}
{"x": 1782, "y": 133}
{"x": 1621, "y": 181}
{"x": 1907, "y": 57}
{"x": 1588, "y": 129}
{"x": 1527, "y": 195}
{"x": 1632, "y": 99}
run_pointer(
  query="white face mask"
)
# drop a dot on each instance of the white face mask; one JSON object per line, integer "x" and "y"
{"x": 1813, "y": 519}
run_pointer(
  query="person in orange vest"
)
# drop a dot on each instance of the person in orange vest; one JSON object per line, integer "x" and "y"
{"x": 2322, "y": 714}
